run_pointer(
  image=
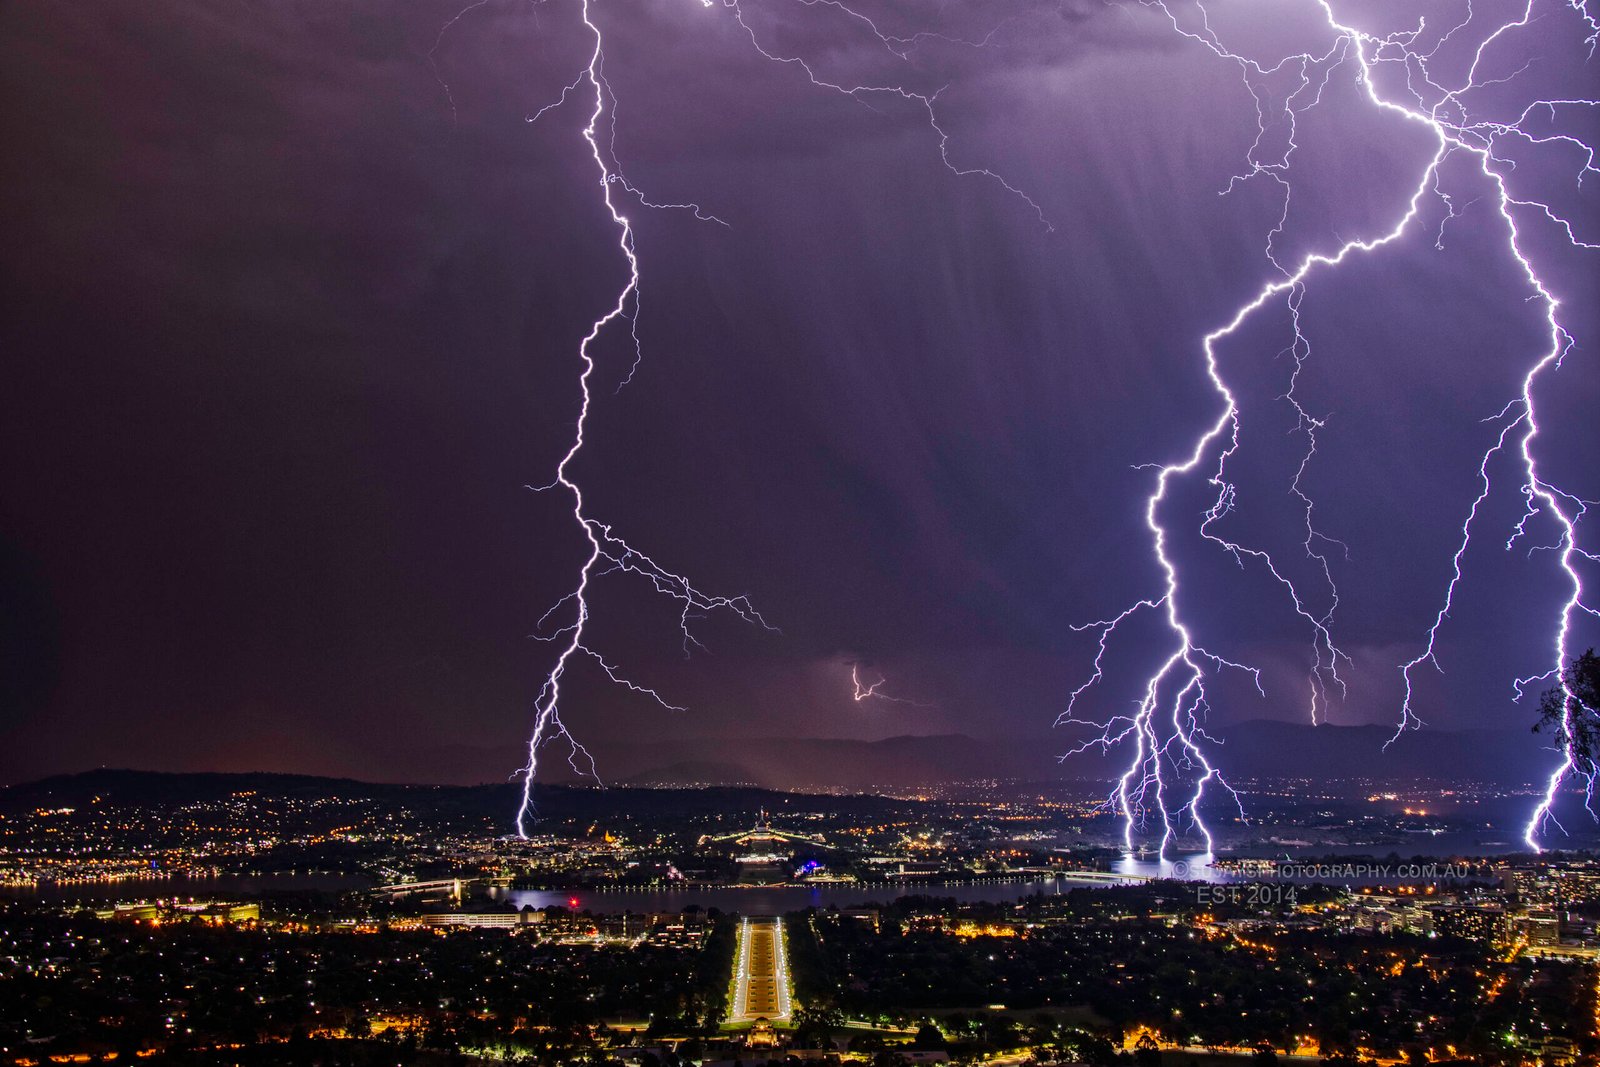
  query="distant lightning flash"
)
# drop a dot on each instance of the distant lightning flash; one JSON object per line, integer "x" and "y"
{"x": 608, "y": 553}
{"x": 865, "y": 690}
{"x": 1169, "y": 773}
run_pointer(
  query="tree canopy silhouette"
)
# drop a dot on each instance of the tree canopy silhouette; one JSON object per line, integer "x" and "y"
{"x": 1571, "y": 711}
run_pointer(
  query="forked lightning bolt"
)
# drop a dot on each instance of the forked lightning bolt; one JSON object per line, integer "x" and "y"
{"x": 1168, "y": 774}
{"x": 873, "y": 690}
{"x": 864, "y": 689}
{"x": 608, "y": 553}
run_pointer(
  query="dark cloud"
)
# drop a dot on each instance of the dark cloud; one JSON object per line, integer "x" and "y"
{"x": 291, "y": 300}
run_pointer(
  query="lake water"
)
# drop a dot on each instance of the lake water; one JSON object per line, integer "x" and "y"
{"x": 776, "y": 900}
{"x": 768, "y": 900}
{"x": 773, "y": 900}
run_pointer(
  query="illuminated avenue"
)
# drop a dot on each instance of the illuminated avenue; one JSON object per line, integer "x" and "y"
{"x": 761, "y": 976}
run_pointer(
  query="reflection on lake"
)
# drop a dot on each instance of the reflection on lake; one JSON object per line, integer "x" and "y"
{"x": 1195, "y": 867}
{"x": 769, "y": 900}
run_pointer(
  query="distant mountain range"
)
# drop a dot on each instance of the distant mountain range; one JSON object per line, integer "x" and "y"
{"x": 1259, "y": 749}
{"x": 126, "y": 789}
{"x": 1252, "y": 750}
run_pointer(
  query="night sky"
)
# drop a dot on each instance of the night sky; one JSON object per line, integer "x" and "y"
{"x": 290, "y": 301}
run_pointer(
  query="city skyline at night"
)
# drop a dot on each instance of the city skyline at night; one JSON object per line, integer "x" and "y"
{"x": 755, "y": 533}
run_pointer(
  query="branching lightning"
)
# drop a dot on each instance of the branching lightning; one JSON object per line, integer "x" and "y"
{"x": 901, "y": 47}
{"x": 1171, "y": 773}
{"x": 873, "y": 690}
{"x": 864, "y": 690}
{"x": 1168, "y": 773}
{"x": 608, "y": 553}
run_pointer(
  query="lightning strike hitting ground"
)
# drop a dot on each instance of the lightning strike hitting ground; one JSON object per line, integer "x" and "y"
{"x": 1165, "y": 729}
{"x": 863, "y": 691}
{"x": 1170, "y": 774}
{"x": 608, "y": 553}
